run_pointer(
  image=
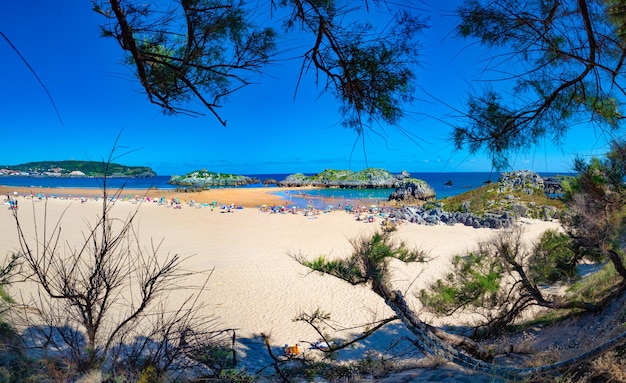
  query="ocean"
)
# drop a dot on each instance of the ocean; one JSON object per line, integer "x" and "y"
{"x": 158, "y": 182}
{"x": 445, "y": 184}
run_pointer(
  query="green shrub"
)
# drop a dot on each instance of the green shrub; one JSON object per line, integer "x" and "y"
{"x": 553, "y": 259}
{"x": 474, "y": 281}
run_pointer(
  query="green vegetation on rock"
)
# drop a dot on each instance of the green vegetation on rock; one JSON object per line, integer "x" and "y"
{"x": 492, "y": 199}
{"x": 204, "y": 178}
{"x": 367, "y": 178}
{"x": 349, "y": 175}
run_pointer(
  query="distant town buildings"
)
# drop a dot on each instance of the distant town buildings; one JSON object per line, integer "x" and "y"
{"x": 54, "y": 172}
{"x": 10, "y": 172}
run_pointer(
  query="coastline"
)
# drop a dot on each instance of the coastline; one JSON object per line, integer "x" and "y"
{"x": 256, "y": 286}
{"x": 461, "y": 182}
{"x": 246, "y": 197}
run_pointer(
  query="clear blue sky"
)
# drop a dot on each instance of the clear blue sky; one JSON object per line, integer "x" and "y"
{"x": 267, "y": 132}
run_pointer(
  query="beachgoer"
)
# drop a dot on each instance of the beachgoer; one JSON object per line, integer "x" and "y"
{"x": 322, "y": 345}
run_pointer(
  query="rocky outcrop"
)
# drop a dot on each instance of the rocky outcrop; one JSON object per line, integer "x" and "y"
{"x": 504, "y": 207}
{"x": 204, "y": 179}
{"x": 403, "y": 175}
{"x": 365, "y": 179}
{"x": 529, "y": 182}
{"x": 523, "y": 180}
{"x": 413, "y": 191}
{"x": 433, "y": 214}
{"x": 554, "y": 185}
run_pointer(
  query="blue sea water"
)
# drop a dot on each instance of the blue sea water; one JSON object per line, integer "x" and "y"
{"x": 158, "y": 182}
{"x": 445, "y": 185}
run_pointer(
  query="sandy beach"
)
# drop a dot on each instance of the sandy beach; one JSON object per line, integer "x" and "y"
{"x": 256, "y": 286}
{"x": 247, "y": 197}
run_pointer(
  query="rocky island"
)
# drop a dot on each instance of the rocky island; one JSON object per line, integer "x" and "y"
{"x": 74, "y": 168}
{"x": 371, "y": 178}
{"x": 202, "y": 179}
{"x": 407, "y": 190}
{"x": 413, "y": 191}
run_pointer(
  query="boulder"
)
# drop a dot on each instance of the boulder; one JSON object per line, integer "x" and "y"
{"x": 553, "y": 185}
{"x": 519, "y": 209}
{"x": 524, "y": 180}
{"x": 412, "y": 191}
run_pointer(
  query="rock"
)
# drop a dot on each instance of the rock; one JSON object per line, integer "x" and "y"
{"x": 549, "y": 212}
{"x": 413, "y": 191}
{"x": 366, "y": 179}
{"x": 519, "y": 209}
{"x": 554, "y": 185}
{"x": 524, "y": 180}
{"x": 404, "y": 175}
{"x": 436, "y": 216}
{"x": 529, "y": 182}
{"x": 465, "y": 207}
{"x": 203, "y": 179}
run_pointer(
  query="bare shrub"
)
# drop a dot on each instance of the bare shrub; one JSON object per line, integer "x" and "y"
{"x": 102, "y": 303}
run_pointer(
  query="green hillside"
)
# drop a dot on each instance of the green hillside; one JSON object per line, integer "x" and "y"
{"x": 89, "y": 168}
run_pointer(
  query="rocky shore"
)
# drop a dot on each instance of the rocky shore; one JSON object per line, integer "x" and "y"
{"x": 505, "y": 202}
{"x": 435, "y": 215}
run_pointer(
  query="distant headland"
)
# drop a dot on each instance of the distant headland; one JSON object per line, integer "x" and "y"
{"x": 73, "y": 168}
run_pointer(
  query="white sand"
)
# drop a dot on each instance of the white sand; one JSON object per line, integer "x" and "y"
{"x": 256, "y": 286}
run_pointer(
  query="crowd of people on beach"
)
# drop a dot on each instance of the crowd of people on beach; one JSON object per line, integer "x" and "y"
{"x": 365, "y": 213}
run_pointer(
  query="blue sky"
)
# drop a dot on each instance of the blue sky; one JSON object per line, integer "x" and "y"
{"x": 268, "y": 131}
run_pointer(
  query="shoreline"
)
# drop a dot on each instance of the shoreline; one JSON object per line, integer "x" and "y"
{"x": 256, "y": 286}
{"x": 246, "y": 197}
{"x": 249, "y": 197}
